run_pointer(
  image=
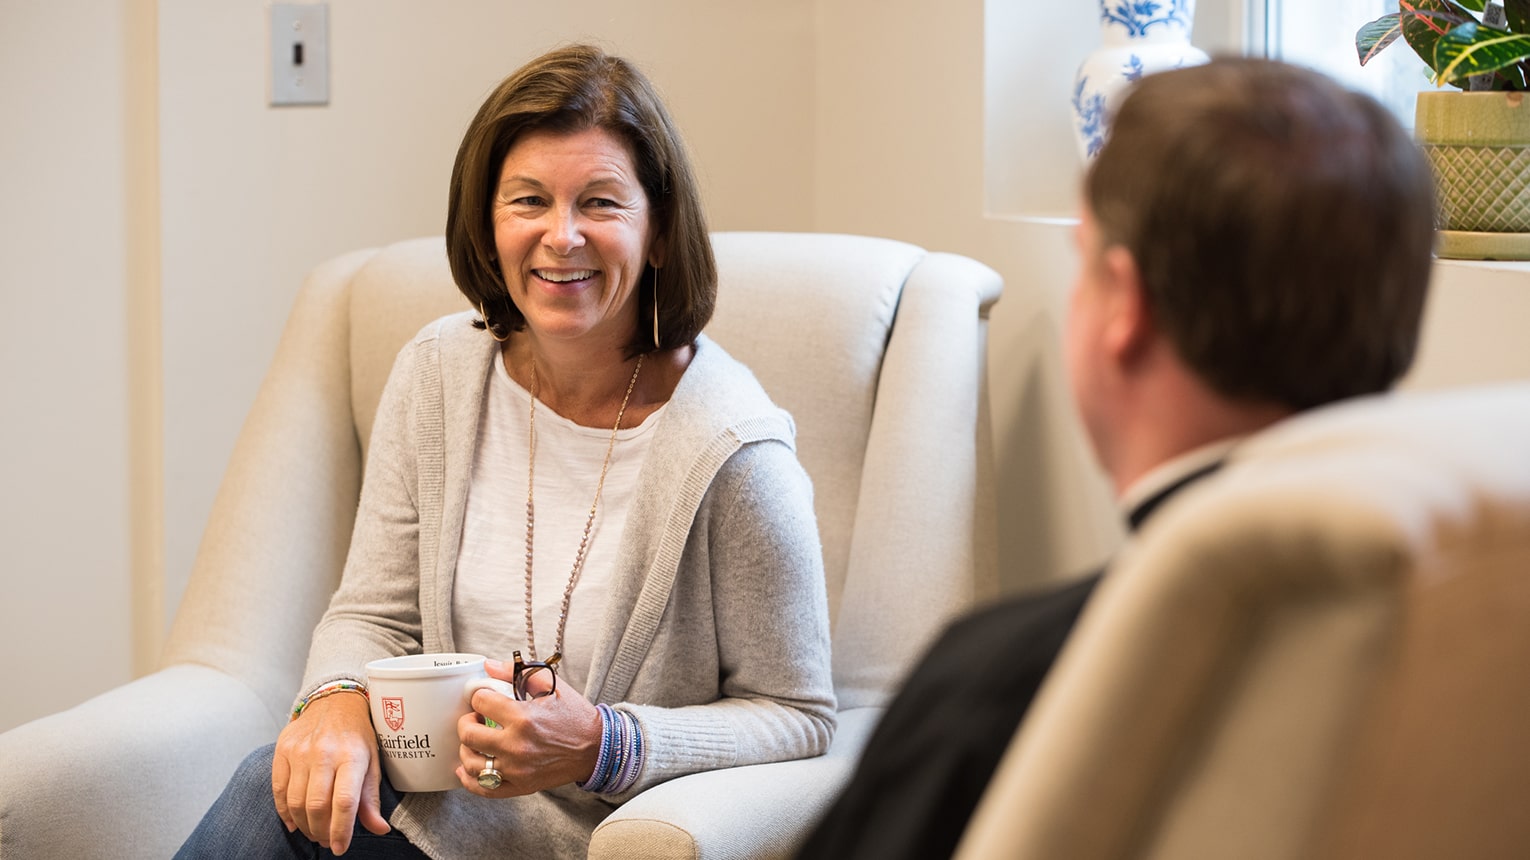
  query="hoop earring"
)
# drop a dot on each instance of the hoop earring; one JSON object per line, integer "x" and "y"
{"x": 488, "y": 326}
{"x": 656, "y": 344}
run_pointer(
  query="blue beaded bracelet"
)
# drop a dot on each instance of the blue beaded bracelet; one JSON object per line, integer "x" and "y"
{"x": 607, "y": 744}
{"x": 632, "y": 755}
{"x": 620, "y": 760}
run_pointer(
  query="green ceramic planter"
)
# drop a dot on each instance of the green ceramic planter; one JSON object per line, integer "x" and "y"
{"x": 1479, "y": 146}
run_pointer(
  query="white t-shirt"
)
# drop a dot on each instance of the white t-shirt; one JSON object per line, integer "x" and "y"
{"x": 489, "y": 592}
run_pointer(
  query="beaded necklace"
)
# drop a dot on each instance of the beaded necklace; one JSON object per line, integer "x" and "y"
{"x": 589, "y": 523}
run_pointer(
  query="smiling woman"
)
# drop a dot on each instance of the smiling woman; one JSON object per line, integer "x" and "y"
{"x": 568, "y": 93}
{"x": 661, "y": 493}
{"x": 573, "y": 235}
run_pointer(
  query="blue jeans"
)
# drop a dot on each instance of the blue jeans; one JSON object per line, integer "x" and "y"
{"x": 243, "y": 823}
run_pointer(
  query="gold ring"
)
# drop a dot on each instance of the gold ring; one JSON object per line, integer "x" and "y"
{"x": 489, "y": 778}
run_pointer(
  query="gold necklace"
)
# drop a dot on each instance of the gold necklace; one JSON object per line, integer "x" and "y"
{"x": 589, "y": 523}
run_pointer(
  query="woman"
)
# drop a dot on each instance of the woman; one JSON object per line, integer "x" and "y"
{"x": 684, "y": 607}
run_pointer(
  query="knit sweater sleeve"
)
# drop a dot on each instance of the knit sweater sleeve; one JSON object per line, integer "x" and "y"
{"x": 759, "y": 536}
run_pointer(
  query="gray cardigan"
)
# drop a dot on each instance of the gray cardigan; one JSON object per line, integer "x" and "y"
{"x": 716, "y": 634}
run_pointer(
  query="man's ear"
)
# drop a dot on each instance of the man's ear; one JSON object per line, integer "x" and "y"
{"x": 1130, "y": 324}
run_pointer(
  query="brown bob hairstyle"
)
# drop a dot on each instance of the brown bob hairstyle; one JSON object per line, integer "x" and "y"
{"x": 565, "y": 91}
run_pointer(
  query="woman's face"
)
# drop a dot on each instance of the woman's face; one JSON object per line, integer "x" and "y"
{"x": 573, "y": 230}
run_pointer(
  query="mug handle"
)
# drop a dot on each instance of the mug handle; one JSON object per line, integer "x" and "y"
{"x": 474, "y": 684}
{"x": 501, "y": 687}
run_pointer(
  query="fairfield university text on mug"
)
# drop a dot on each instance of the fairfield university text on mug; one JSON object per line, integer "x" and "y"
{"x": 416, "y": 701}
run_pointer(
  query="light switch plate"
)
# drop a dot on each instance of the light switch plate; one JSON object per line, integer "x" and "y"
{"x": 299, "y": 53}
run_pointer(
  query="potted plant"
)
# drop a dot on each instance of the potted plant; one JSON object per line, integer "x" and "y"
{"x": 1478, "y": 140}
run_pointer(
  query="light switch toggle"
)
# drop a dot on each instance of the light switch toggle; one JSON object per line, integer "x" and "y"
{"x": 299, "y": 53}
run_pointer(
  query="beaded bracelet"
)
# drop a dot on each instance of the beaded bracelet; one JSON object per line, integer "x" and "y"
{"x": 328, "y": 690}
{"x": 608, "y": 746}
{"x": 621, "y": 753}
{"x": 603, "y": 759}
{"x": 628, "y": 775}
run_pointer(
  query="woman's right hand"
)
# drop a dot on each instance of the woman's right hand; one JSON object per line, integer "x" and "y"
{"x": 326, "y": 772}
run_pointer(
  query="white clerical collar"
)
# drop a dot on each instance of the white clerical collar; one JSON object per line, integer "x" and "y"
{"x": 1171, "y": 471}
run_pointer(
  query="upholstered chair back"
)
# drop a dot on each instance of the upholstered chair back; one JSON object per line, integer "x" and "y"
{"x": 1318, "y": 652}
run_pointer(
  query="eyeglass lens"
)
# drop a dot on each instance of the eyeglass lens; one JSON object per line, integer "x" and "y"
{"x": 535, "y": 681}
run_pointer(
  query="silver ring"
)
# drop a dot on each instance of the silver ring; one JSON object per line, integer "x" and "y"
{"x": 489, "y": 778}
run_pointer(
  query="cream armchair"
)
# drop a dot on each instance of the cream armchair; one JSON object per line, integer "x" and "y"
{"x": 877, "y": 349}
{"x": 1319, "y": 652}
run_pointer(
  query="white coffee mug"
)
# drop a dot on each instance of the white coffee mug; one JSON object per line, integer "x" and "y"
{"x": 416, "y": 702}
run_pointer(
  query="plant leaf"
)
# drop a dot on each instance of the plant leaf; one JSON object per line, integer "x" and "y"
{"x": 1472, "y": 49}
{"x": 1474, "y": 5}
{"x": 1378, "y": 34}
{"x": 1425, "y": 21}
{"x": 1519, "y": 15}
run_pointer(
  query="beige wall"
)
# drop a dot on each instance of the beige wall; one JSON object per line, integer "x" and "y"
{"x": 1474, "y": 325}
{"x": 76, "y": 262}
{"x": 155, "y": 204}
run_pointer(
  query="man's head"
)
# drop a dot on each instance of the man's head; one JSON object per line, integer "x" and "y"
{"x": 1278, "y": 229}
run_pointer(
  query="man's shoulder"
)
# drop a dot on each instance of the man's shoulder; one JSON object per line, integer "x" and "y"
{"x": 1012, "y": 613}
{"x": 982, "y": 672}
{"x": 1014, "y": 626}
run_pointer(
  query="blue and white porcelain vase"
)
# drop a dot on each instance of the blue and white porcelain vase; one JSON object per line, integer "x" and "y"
{"x": 1138, "y": 37}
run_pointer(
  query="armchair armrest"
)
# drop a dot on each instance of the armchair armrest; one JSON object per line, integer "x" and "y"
{"x": 130, "y": 772}
{"x": 757, "y": 811}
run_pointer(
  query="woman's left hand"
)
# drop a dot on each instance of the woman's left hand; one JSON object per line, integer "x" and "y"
{"x": 538, "y": 744}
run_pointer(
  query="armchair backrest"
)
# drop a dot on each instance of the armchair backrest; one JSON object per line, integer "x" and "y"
{"x": 876, "y": 347}
{"x": 1318, "y": 652}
